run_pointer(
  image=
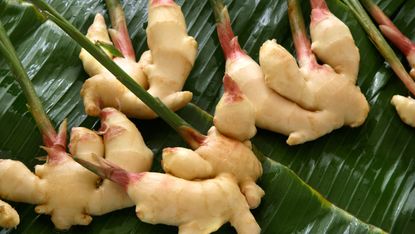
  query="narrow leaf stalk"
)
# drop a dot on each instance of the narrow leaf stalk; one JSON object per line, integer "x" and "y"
{"x": 227, "y": 39}
{"x": 35, "y": 105}
{"x": 379, "y": 41}
{"x": 392, "y": 33}
{"x": 107, "y": 170}
{"x": 301, "y": 42}
{"x": 171, "y": 118}
{"x": 379, "y": 16}
{"x": 119, "y": 34}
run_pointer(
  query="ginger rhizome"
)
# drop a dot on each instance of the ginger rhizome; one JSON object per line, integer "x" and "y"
{"x": 162, "y": 70}
{"x": 61, "y": 175}
{"x": 307, "y": 102}
{"x": 123, "y": 145}
{"x": 217, "y": 154}
{"x": 405, "y": 106}
{"x": 9, "y": 218}
{"x": 234, "y": 113}
{"x": 193, "y": 206}
{"x": 226, "y": 149}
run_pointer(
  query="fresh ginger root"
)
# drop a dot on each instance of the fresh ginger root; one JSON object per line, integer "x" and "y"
{"x": 328, "y": 90}
{"x": 193, "y": 206}
{"x": 405, "y": 106}
{"x": 226, "y": 149}
{"x": 163, "y": 69}
{"x": 234, "y": 113}
{"x": 49, "y": 187}
{"x": 9, "y": 218}
{"x": 217, "y": 154}
{"x": 61, "y": 187}
{"x": 304, "y": 103}
{"x": 123, "y": 145}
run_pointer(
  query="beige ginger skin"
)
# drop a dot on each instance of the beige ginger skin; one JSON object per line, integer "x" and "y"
{"x": 226, "y": 149}
{"x": 49, "y": 187}
{"x": 194, "y": 206}
{"x": 9, "y": 218}
{"x": 405, "y": 106}
{"x": 123, "y": 145}
{"x": 303, "y": 102}
{"x": 234, "y": 113}
{"x": 162, "y": 70}
{"x": 217, "y": 154}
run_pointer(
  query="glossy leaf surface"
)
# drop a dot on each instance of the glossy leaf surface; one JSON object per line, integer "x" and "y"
{"x": 368, "y": 171}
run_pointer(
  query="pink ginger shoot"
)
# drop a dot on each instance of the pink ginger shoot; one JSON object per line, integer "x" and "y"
{"x": 108, "y": 170}
{"x": 191, "y": 136}
{"x": 55, "y": 144}
{"x": 389, "y": 29}
{"x": 319, "y": 11}
{"x": 227, "y": 39}
{"x": 302, "y": 44}
{"x": 403, "y": 43}
{"x": 119, "y": 33}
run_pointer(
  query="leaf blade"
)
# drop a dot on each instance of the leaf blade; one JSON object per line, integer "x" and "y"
{"x": 345, "y": 153}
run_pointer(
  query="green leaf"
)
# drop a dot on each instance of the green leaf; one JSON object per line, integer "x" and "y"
{"x": 368, "y": 171}
{"x": 110, "y": 48}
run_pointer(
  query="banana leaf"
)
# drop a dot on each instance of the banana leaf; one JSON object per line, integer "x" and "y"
{"x": 339, "y": 183}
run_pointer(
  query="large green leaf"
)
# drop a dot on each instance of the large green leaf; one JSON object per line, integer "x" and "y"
{"x": 368, "y": 171}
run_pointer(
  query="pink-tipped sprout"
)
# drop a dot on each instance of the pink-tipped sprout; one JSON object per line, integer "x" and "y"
{"x": 192, "y": 137}
{"x": 389, "y": 29}
{"x": 108, "y": 170}
{"x": 392, "y": 33}
{"x": 227, "y": 39}
{"x": 55, "y": 144}
{"x": 403, "y": 43}
{"x": 380, "y": 43}
{"x": 119, "y": 33}
{"x": 319, "y": 10}
{"x": 302, "y": 44}
{"x": 319, "y": 4}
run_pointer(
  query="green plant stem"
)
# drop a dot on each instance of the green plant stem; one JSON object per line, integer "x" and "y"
{"x": 392, "y": 33}
{"x": 35, "y": 106}
{"x": 171, "y": 118}
{"x": 218, "y": 10}
{"x": 379, "y": 41}
{"x": 379, "y": 16}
